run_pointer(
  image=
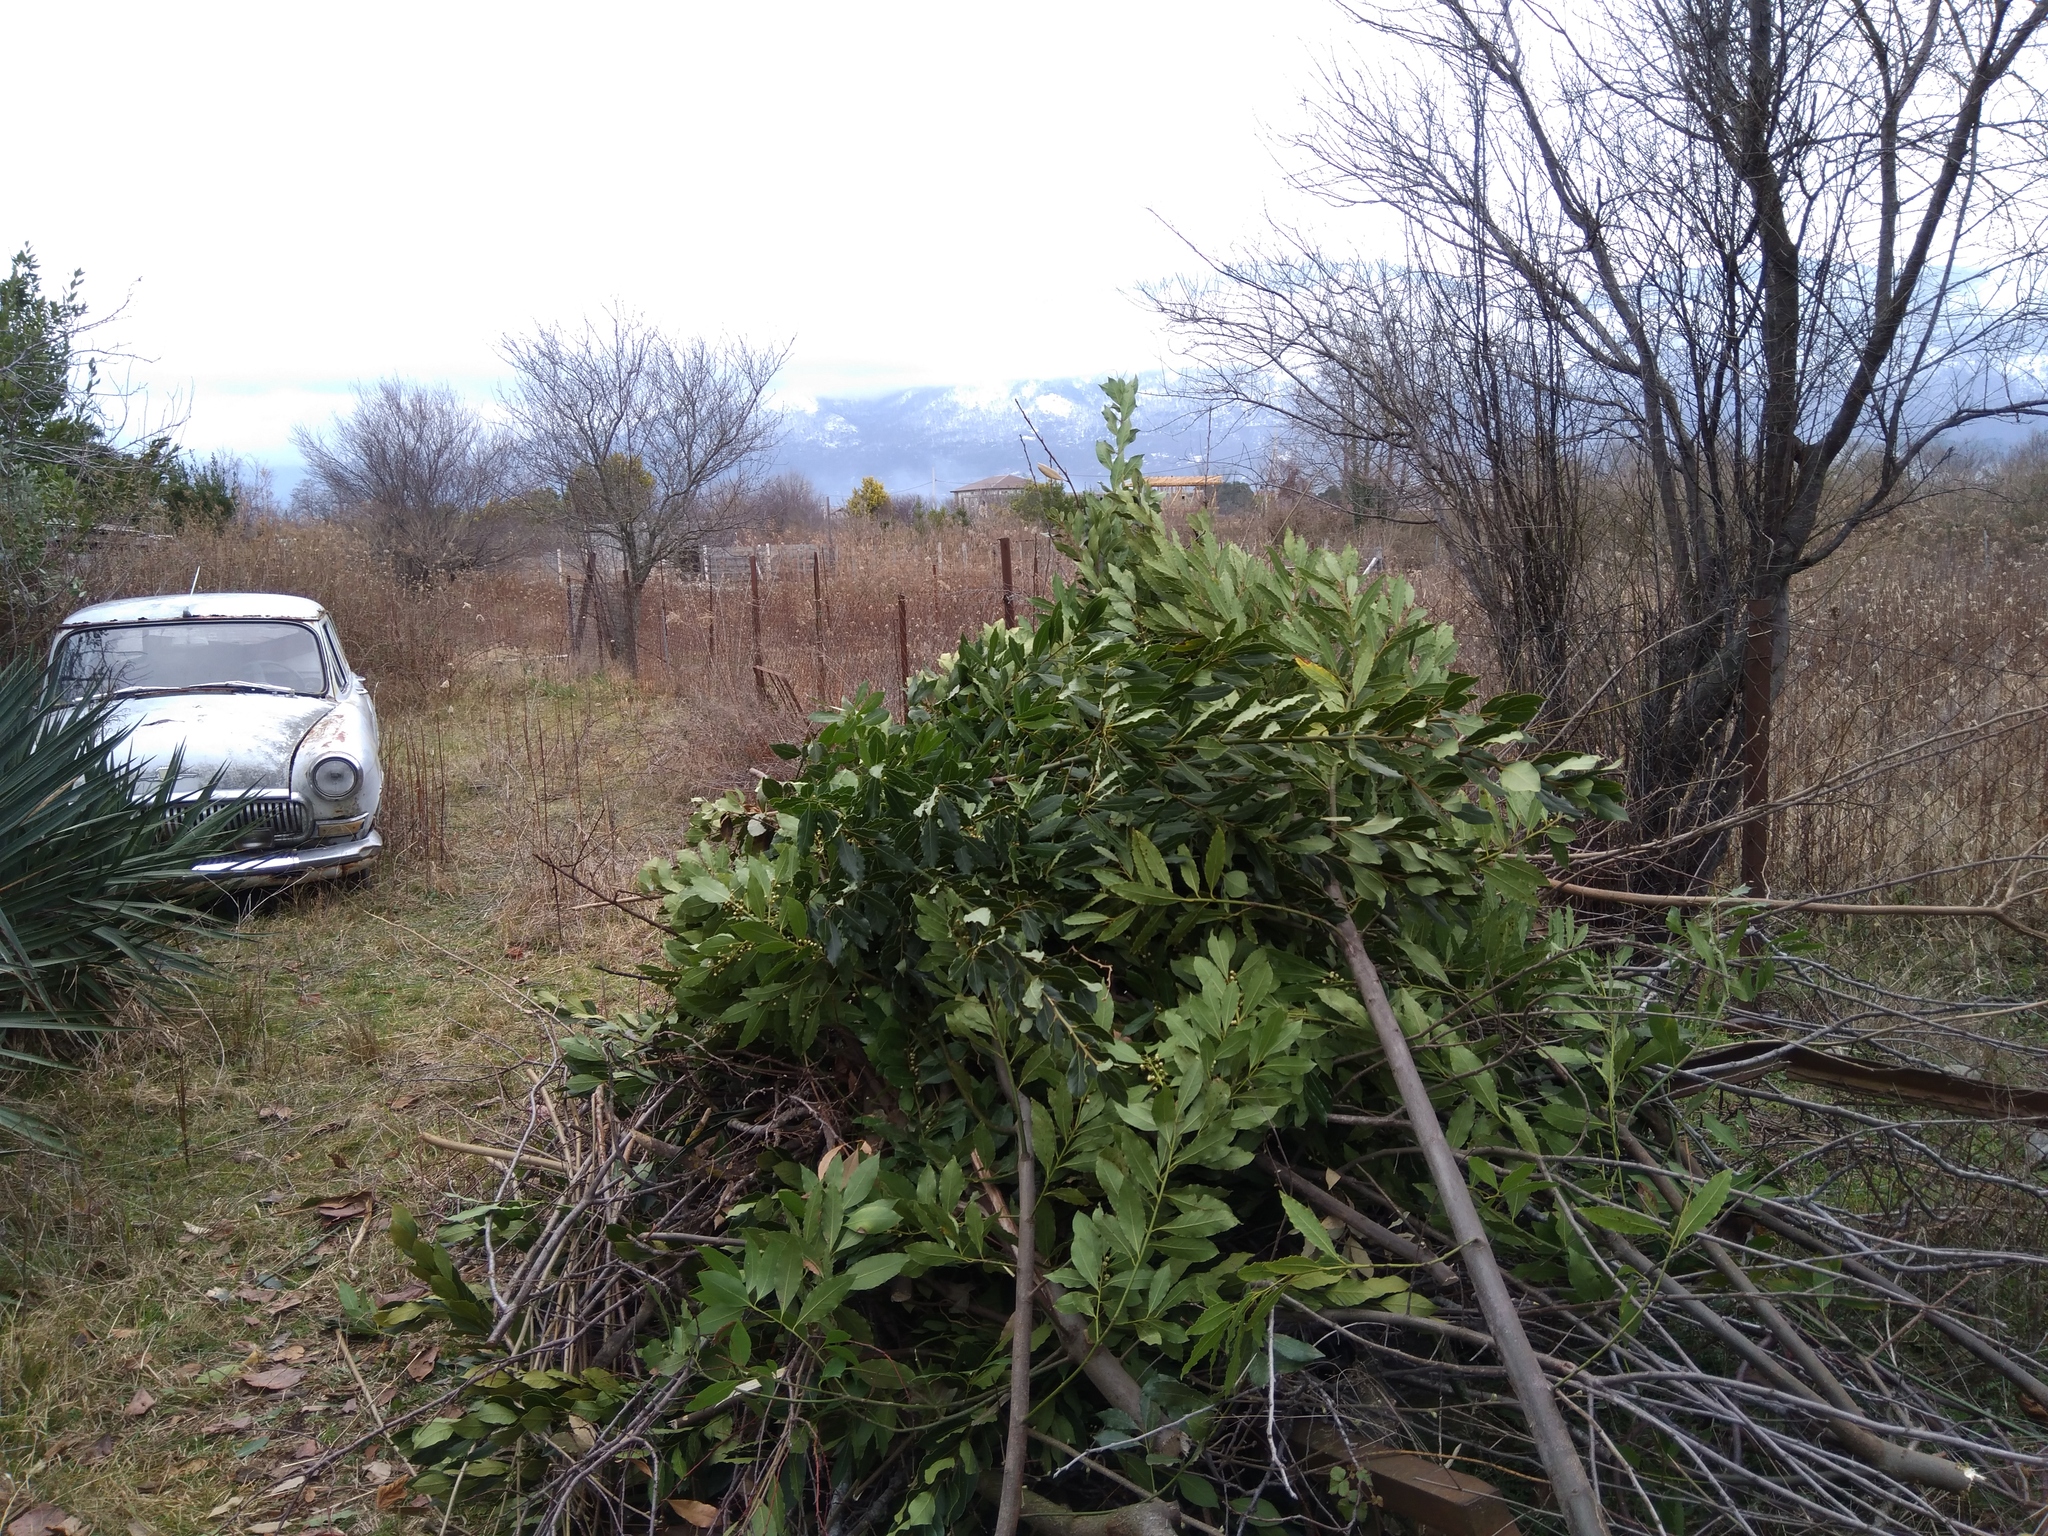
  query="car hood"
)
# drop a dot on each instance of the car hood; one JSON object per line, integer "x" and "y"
{"x": 246, "y": 738}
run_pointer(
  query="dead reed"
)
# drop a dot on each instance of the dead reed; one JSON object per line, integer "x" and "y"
{"x": 1935, "y": 631}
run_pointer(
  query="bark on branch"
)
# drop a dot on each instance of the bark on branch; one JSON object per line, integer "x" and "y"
{"x": 1016, "y": 1446}
{"x": 1568, "y": 1480}
{"x": 1384, "y": 1238}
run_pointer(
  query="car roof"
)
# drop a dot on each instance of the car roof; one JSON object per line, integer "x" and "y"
{"x": 198, "y": 605}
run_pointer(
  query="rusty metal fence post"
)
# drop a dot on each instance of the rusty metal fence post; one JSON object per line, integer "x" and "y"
{"x": 754, "y": 578}
{"x": 818, "y": 622}
{"x": 903, "y": 650}
{"x": 1009, "y": 591}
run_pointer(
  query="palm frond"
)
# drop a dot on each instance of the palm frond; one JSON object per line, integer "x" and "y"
{"x": 92, "y": 850}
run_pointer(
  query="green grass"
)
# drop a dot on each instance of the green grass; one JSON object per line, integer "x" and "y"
{"x": 366, "y": 1013}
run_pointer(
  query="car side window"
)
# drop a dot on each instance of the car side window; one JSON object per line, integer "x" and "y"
{"x": 340, "y": 661}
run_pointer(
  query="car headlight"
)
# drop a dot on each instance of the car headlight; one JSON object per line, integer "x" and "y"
{"x": 336, "y": 778}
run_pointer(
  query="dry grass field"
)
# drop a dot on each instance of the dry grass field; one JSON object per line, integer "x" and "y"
{"x": 169, "y": 1313}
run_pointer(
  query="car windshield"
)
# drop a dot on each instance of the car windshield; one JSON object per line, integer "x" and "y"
{"x": 222, "y": 655}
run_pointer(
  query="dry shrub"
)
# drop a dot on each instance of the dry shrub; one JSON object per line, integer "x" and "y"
{"x": 1938, "y": 623}
{"x": 405, "y": 640}
{"x": 1921, "y": 635}
{"x": 413, "y": 814}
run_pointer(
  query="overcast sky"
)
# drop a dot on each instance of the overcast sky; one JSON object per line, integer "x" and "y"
{"x": 293, "y": 197}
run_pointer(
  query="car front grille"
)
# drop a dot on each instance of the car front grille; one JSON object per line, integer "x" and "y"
{"x": 258, "y": 821}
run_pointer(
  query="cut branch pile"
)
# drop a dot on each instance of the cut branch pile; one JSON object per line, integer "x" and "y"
{"x": 1146, "y": 1090}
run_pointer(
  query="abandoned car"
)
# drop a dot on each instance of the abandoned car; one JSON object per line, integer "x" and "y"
{"x": 255, "y": 691}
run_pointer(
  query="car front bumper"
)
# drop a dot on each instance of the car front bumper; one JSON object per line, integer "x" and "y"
{"x": 321, "y": 861}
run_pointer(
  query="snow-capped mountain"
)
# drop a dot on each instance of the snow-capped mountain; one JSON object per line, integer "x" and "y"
{"x": 916, "y": 440}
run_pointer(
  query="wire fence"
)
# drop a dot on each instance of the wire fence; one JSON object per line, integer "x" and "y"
{"x": 806, "y": 626}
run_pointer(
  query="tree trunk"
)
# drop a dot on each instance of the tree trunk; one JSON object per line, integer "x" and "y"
{"x": 630, "y": 594}
{"x": 1759, "y": 648}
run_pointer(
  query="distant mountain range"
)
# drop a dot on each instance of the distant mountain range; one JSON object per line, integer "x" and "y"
{"x": 940, "y": 437}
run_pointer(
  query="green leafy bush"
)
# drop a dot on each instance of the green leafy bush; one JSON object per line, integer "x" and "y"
{"x": 88, "y": 845}
{"x": 1086, "y": 881}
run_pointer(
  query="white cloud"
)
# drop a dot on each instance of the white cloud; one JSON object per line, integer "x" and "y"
{"x": 390, "y": 188}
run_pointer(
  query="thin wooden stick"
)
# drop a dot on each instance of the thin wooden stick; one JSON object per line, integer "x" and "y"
{"x": 1114, "y": 1476}
{"x": 1956, "y": 1330}
{"x": 1386, "y": 1240}
{"x": 496, "y": 1154}
{"x": 1568, "y": 1480}
{"x": 1017, "y": 1447}
{"x": 1997, "y": 914}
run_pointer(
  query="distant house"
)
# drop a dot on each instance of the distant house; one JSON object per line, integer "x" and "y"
{"x": 1184, "y": 493}
{"x": 991, "y": 495}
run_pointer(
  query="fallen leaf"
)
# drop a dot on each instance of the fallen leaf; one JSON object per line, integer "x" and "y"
{"x": 515, "y": 951}
{"x": 255, "y": 1293}
{"x": 232, "y": 1426}
{"x": 338, "y": 1160}
{"x": 291, "y": 1484}
{"x": 421, "y": 1365}
{"x": 266, "y": 1527}
{"x": 273, "y": 1112}
{"x": 696, "y": 1511}
{"x": 139, "y": 1404}
{"x": 391, "y": 1494}
{"x": 2033, "y": 1409}
{"x": 279, "y": 1378}
{"x": 188, "y": 1372}
{"x": 378, "y": 1473}
{"x": 325, "y": 1126}
{"x": 385, "y": 1394}
{"x": 406, "y": 1100}
{"x": 40, "y": 1521}
{"x": 291, "y": 1354}
{"x": 125, "y": 1333}
{"x": 393, "y": 1298}
{"x": 306, "y": 1449}
{"x": 284, "y": 1304}
{"x": 348, "y": 1207}
{"x": 195, "y": 1230}
{"x": 99, "y": 1450}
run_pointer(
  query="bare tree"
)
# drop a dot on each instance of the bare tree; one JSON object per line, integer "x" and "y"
{"x": 1785, "y": 248}
{"x": 784, "y": 503}
{"x": 648, "y": 440}
{"x": 422, "y": 472}
{"x": 1419, "y": 399}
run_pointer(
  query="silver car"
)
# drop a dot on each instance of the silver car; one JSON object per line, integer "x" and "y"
{"x": 258, "y": 693}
